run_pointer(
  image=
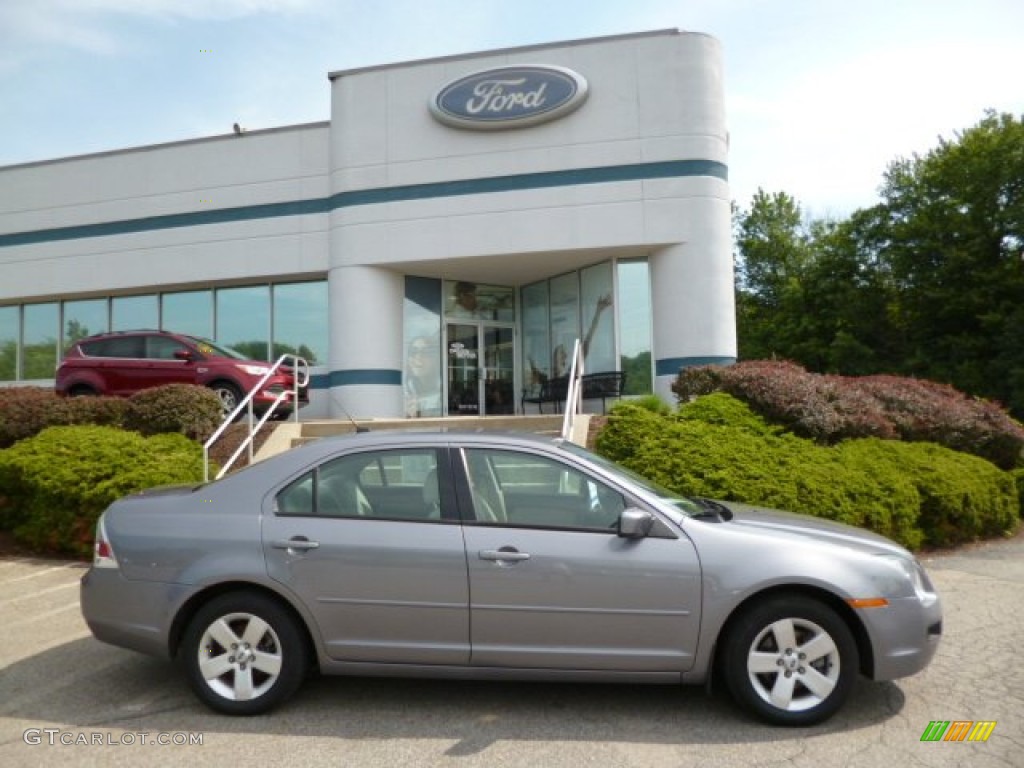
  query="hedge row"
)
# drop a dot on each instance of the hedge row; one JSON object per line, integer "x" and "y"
{"x": 182, "y": 408}
{"x": 829, "y": 409}
{"x": 53, "y": 486}
{"x": 918, "y": 494}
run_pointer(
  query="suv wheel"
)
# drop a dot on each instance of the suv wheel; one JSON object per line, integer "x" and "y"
{"x": 230, "y": 396}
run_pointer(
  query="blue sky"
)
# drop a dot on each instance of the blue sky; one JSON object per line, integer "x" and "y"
{"x": 821, "y": 94}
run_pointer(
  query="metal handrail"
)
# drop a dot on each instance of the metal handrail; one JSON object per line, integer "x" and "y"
{"x": 574, "y": 391}
{"x": 300, "y": 378}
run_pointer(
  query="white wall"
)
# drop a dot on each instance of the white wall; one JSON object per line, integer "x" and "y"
{"x": 256, "y": 168}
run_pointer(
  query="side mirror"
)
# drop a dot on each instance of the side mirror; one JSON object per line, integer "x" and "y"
{"x": 183, "y": 354}
{"x": 635, "y": 523}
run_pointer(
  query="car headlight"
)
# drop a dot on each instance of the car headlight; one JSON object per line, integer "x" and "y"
{"x": 911, "y": 572}
{"x": 254, "y": 370}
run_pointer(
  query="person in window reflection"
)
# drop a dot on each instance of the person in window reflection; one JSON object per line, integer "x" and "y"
{"x": 423, "y": 378}
{"x": 561, "y": 354}
{"x": 466, "y": 303}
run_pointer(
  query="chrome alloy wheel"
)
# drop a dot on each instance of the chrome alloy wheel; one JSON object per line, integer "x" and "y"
{"x": 240, "y": 656}
{"x": 793, "y": 664}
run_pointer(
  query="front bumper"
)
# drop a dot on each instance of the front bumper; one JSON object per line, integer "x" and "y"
{"x": 904, "y": 635}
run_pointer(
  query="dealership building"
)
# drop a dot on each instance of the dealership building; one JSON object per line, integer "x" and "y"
{"x": 435, "y": 248}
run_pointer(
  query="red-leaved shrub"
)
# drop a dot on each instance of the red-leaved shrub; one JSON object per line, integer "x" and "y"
{"x": 829, "y": 409}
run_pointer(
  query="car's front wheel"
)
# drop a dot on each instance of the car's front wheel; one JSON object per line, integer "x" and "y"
{"x": 230, "y": 395}
{"x": 790, "y": 660}
{"x": 243, "y": 654}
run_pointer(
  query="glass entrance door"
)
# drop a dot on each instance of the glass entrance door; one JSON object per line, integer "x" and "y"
{"x": 481, "y": 369}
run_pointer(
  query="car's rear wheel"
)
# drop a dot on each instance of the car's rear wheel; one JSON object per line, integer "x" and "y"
{"x": 243, "y": 654}
{"x": 790, "y": 660}
{"x": 230, "y": 395}
{"x": 81, "y": 390}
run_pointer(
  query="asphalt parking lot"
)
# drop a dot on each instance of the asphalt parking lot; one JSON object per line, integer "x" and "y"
{"x": 66, "y": 699}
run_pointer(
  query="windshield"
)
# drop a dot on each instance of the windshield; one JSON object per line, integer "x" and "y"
{"x": 683, "y": 504}
{"x": 208, "y": 347}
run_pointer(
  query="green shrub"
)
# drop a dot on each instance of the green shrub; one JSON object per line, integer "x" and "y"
{"x": 717, "y": 447}
{"x": 652, "y": 403}
{"x": 1018, "y": 476}
{"x": 186, "y": 409}
{"x": 55, "y": 485}
{"x": 725, "y": 410}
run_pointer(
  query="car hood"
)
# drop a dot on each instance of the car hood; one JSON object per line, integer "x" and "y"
{"x": 807, "y": 527}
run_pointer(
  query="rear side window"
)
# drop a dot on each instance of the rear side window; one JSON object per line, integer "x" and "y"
{"x": 398, "y": 484}
{"x": 116, "y": 346}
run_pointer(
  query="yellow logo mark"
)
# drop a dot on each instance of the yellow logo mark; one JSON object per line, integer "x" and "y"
{"x": 958, "y": 730}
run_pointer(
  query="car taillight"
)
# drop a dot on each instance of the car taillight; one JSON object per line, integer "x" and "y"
{"x": 103, "y": 553}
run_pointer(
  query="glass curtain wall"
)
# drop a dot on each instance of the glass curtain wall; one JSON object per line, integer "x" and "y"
{"x": 243, "y": 319}
{"x": 300, "y": 321}
{"x": 83, "y": 318}
{"x": 129, "y": 313}
{"x": 593, "y": 305}
{"x": 10, "y": 326}
{"x": 421, "y": 328}
{"x": 635, "y": 334}
{"x": 40, "y": 331}
{"x": 189, "y": 312}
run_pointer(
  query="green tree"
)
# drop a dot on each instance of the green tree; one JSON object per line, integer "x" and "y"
{"x": 954, "y": 220}
{"x": 773, "y": 251}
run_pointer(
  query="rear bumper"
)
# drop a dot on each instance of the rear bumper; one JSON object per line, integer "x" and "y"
{"x": 107, "y": 598}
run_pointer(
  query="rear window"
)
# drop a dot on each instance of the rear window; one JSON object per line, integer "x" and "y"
{"x": 117, "y": 346}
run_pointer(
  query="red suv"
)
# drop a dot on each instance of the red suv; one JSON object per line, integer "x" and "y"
{"x": 124, "y": 362}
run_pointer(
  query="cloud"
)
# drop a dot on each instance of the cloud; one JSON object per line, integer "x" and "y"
{"x": 26, "y": 26}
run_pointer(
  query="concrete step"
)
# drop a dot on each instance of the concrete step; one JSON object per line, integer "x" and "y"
{"x": 542, "y": 424}
{"x": 289, "y": 434}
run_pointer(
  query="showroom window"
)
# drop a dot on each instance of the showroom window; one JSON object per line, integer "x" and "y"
{"x": 300, "y": 321}
{"x": 635, "y": 326}
{"x": 421, "y": 329}
{"x": 189, "y": 312}
{"x": 607, "y": 307}
{"x": 83, "y": 318}
{"x": 39, "y": 341}
{"x": 243, "y": 320}
{"x": 134, "y": 313}
{"x": 32, "y": 336}
{"x": 9, "y": 328}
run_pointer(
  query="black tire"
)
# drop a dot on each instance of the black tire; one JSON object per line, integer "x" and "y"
{"x": 230, "y": 395}
{"x": 790, "y": 660}
{"x": 81, "y": 390}
{"x": 265, "y": 667}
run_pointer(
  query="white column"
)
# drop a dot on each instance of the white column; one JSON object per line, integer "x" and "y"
{"x": 366, "y": 342}
{"x": 693, "y": 296}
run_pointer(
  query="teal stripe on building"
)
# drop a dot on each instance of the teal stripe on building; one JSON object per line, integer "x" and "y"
{"x": 604, "y": 175}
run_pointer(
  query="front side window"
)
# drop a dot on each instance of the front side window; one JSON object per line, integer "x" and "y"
{"x": 162, "y": 347}
{"x": 528, "y": 490}
{"x": 382, "y": 485}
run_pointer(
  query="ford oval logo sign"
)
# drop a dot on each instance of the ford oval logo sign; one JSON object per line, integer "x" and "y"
{"x": 509, "y": 97}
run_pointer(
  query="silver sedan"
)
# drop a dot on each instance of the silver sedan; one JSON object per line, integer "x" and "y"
{"x": 498, "y": 557}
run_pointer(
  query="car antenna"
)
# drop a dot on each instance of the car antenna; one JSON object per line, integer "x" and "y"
{"x": 359, "y": 428}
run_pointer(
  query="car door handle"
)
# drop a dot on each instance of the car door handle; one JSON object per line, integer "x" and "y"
{"x": 503, "y": 555}
{"x": 299, "y": 543}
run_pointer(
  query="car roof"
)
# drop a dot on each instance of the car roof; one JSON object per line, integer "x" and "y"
{"x": 317, "y": 450}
